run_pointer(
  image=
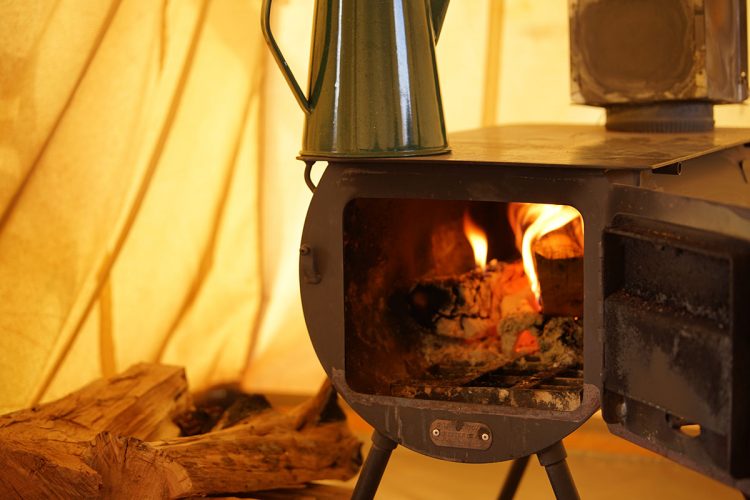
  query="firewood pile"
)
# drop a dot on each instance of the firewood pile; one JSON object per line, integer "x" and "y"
{"x": 139, "y": 435}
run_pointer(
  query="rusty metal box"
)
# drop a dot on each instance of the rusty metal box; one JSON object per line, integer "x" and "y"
{"x": 636, "y": 51}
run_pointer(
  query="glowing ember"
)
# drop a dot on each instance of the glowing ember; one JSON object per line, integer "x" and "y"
{"x": 526, "y": 343}
{"x": 532, "y": 221}
{"x": 478, "y": 240}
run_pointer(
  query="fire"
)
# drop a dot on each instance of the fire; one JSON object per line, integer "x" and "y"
{"x": 478, "y": 240}
{"x": 532, "y": 221}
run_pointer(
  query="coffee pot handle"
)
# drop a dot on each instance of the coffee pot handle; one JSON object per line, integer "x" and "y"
{"x": 265, "y": 25}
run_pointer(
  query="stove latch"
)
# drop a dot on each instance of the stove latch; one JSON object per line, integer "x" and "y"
{"x": 458, "y": 434}
{"x": 308, "y": 265}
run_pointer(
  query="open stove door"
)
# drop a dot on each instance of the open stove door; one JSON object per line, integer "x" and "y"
{"x": 676, "y": 337}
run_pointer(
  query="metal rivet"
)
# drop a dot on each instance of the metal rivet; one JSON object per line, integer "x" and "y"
{"x": 485, "y": 436}
{"x": 436, "y": 432}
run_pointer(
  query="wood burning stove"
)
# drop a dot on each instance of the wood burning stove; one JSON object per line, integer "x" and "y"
{"x": 651, "y": 322}
{"x": 666, "y": 268}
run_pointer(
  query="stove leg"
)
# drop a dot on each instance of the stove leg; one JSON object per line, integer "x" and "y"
{"x": 513, "y": 479}
{"x": 553, "y": 460}
{"x": 372, "y": 470}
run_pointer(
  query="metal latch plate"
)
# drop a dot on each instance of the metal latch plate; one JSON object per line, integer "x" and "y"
{"x": 458, "y": 434}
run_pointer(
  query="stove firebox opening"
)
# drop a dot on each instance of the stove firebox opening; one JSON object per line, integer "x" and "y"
{"x": 464, "y": 301}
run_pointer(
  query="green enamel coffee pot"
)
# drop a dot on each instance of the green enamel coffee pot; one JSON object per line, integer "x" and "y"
{"x": 373, "y": 86}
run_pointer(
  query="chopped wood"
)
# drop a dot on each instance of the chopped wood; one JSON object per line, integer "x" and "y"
{"x": 43, "y": 449}
{"x": 559, "y": 264}
{"x": 92, "y": 444}
{"x": 560, "y": 244}
{"x": 133, "y": 403}
{"x": 267, "y": 450}
{"x": 237, "y": 459}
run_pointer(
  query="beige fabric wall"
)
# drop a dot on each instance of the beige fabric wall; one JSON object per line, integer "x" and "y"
{"x": 150, "y": 203}
{"x": 128, "y": 189}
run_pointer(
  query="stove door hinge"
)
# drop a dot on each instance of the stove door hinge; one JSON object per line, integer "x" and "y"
{"x": 308, "y": 266}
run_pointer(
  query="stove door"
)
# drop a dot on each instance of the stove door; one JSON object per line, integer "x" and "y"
{"x": 676, "y": 288}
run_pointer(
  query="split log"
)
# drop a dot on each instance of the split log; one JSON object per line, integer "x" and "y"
{"x": 135, "y": 403}
{"x": 268, "y": 450}
{"x": 559, "y": 263}
{"x": 43, "y": 449}
{"x": 91, "y": 444}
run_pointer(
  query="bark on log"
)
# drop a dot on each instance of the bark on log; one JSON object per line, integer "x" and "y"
{"x": 231, "y": 460}
{"x": 268, "y": 450}
{"x": 91, "y": 444}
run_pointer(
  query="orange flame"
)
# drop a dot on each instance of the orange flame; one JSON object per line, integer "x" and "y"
{"x": 478, "y": 240}
{"x": 532, "y": 221}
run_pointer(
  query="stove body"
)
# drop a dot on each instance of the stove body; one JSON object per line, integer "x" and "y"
{"x": 666, "y": 290}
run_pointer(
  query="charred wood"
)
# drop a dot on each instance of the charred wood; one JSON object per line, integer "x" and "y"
{"x": 480, "y": 321}
{"x": 469, "y": 306}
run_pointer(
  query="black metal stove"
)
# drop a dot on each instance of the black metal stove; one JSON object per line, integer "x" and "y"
{"x": 666, "y": 278}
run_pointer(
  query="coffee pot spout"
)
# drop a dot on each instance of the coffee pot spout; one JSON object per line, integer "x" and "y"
{"x": 438, "y": 8}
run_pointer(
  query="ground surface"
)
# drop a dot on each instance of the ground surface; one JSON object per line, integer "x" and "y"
{"x": 604, "y": 467}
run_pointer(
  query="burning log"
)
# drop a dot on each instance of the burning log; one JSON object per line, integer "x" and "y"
{"x": 474, "y": 321}
{"x": 462, "y": 313}
{"x": 470, "y": 306}
{"x": 559, "y": 262}
{"x": 92, "y": 444}
{"x": 480, "y": 321}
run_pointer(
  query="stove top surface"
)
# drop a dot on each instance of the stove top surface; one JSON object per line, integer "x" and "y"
{"x": 572, "y": 146}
